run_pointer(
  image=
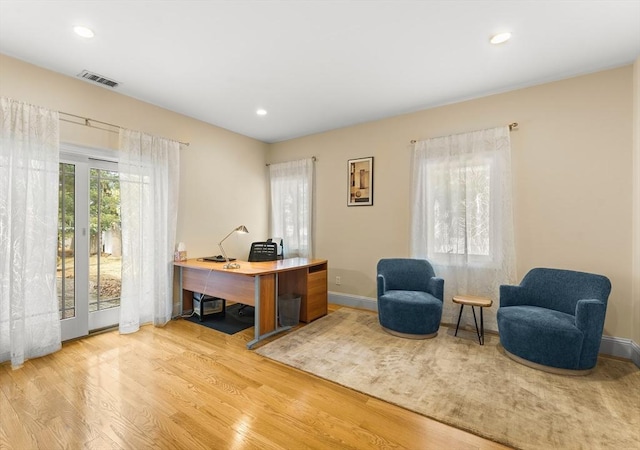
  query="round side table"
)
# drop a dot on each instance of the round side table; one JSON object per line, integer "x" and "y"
{"x": 472, "y": 300}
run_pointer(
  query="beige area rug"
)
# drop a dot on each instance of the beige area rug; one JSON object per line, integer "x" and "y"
{"x": 475, "y": 388}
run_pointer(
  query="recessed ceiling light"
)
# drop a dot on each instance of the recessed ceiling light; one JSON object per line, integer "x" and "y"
{"x": 261, "y": 112}
{"x": 500, "y": 38}
{"x": 83, "y": 31}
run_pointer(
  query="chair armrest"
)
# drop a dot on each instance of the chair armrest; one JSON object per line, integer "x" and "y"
{"x": 436, "y": 288}
{"x": 589, "y": 318}
{"x": 512, "y": 295}
{"x": 381, "y": 285}
{"x": 590, "y": 315}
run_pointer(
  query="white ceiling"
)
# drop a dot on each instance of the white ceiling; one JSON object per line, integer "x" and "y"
{"x": 318, "y": 65}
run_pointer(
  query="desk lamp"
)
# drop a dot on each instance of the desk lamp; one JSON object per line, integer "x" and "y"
{"x": 230, "y": 265}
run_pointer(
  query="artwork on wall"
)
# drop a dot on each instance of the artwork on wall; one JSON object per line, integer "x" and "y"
{"x": 360, "y": 176}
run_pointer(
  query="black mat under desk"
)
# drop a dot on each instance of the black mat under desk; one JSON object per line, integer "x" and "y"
{"x": 230, "y": 322}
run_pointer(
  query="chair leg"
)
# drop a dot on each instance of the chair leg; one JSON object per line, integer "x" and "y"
{"x": 459, "y": 316}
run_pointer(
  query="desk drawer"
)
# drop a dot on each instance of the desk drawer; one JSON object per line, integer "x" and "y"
{"x": 316, "y": 296}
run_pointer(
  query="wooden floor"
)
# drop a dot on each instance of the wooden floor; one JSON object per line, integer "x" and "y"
{"x": 185, "y": 386}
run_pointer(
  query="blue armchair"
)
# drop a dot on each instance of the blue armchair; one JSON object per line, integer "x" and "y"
{"x": 409, "y": 298}
{"x": 554, "y": 319}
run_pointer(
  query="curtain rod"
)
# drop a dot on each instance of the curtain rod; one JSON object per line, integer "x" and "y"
{"x": 313, "y": 158}
{"x": 512, "y": 126}
{"x": 87, "y": 123}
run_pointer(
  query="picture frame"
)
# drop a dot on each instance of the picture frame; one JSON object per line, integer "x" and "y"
{"x": 360, "y": 182}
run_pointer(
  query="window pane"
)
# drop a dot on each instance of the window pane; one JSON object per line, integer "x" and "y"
{"x": 461, "y": 209}
{"x": 65, "y": 270}
{"x": 105, "y": 246}
{"x": 477, "y": 208}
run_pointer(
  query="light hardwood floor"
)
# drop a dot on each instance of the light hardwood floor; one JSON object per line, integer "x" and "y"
{"x": 185, "y": 386}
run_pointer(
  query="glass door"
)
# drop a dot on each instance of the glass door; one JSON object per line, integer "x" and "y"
{"x": 105, "y": 245}
{"x": 72, "y": 249}
{"x": 89, "y": 245}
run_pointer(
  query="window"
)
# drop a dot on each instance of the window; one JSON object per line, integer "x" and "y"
{"x": 292, "y": 205}
{"x": 461, "y": 212}
{"x": 459, "y": 209}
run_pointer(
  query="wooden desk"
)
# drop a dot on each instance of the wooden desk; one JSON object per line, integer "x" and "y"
{"x": 258, "y": 284}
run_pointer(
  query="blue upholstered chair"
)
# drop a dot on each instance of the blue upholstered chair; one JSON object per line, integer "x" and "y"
{"x": 409, "y": 298}
{"x": 554, "y": 319}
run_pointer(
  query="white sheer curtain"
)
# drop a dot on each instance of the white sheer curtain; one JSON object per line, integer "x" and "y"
{"x": 149, "y": 172}
{"x": 462, "y": 214}
{"x": 29, "y": 158}
{"x": 292, "y": 206}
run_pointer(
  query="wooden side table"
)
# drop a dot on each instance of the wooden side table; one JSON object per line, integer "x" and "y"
{"x": 472, "y": 300}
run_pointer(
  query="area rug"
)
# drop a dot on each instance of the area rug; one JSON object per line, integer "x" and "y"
{"x": 475, "y": 388}
{"x": 230, "y": 323}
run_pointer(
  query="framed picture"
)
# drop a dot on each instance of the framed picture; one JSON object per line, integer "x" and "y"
{"x": 360, "y": 176}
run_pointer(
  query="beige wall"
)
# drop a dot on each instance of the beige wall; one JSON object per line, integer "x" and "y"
{"x": 572, "y": 161}
{"x": 223, "y": 177}
{"x": 572, "y": 177}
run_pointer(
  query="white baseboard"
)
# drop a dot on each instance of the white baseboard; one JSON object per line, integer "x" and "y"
{"x": 353, "y": 301}
{"x": 612, "y": 346}
{"x": 621, "y": 348}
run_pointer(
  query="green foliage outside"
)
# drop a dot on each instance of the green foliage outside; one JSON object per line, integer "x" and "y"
{"x": 104, "y": 196}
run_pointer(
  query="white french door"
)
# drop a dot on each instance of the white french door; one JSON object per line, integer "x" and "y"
{"x": 89, "y": 243}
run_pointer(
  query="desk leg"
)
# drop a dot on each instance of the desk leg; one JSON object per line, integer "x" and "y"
{"x": 181, "y": 293}
{"x": 258, "y": 310}
{"x": 258, "y": 315}
{"x": 275, "y": 299}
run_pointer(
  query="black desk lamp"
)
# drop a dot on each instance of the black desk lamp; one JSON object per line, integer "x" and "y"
{"x": 230, "y": 265}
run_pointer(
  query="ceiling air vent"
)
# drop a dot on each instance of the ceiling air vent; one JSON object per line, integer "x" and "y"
{"x": 98, "y": 79}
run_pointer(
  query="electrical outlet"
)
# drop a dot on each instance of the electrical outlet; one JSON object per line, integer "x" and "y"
{"x": 338, "y": 281}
